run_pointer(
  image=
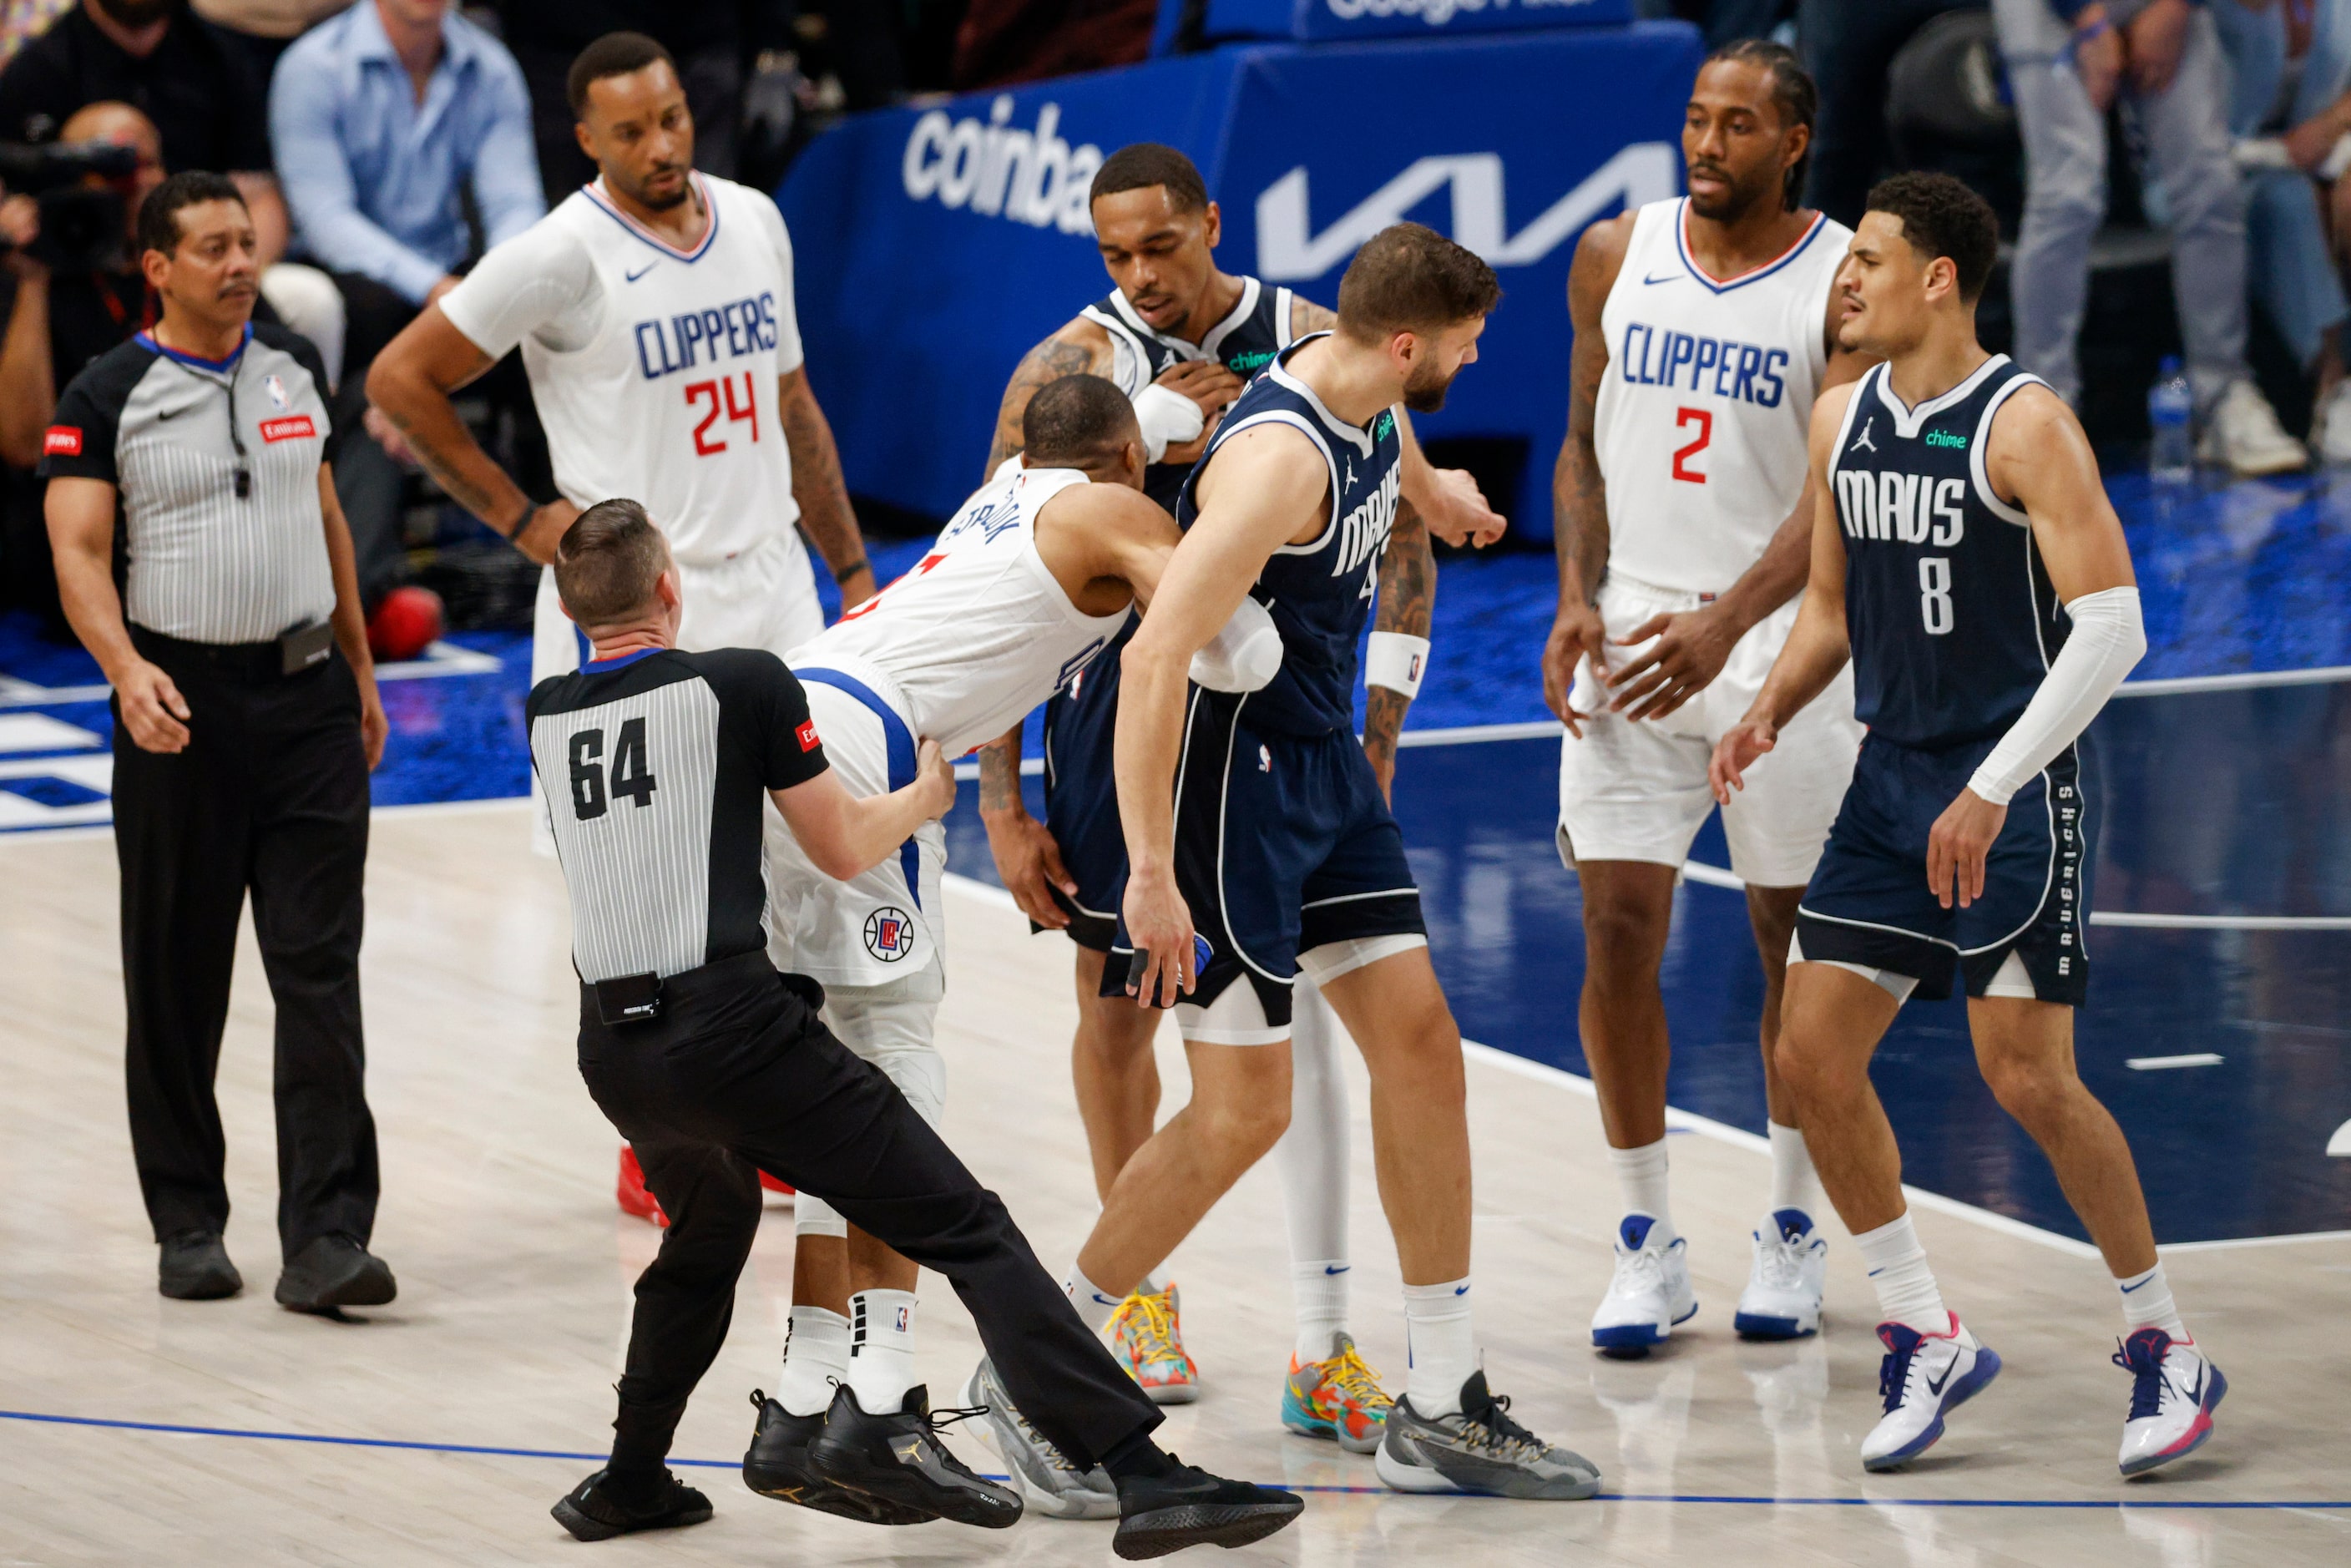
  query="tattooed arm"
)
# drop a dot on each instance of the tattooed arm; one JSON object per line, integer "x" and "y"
{"x": 1081, "y": 347}
{"x": 1579, "y": 494}
{"x": 410, "y": 381}
{"x": 819, "y": 487}
{"x": 1407, "y": 597}
{"x": 1027, "y": 858}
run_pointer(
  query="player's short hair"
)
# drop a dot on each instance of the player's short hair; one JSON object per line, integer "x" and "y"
{"x": 159, "y": 214}
{"x": 1792, "y": 93}
{"x": 608, "y": 560}
{"x": 1410, "y": 279}
{"x": 1142, "y": 165}
{"x": 1075, "y": 419}
{"x": 614, "y": 55}
{"x": 1941, "y": 216}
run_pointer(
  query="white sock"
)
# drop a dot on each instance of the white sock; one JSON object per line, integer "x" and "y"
{"x": 881, "y": 1348}
{"x": 1793, "y": 1183}
{"x": 1320, "y": 1290}
{"x": 1095, "y": 1304}
{"x": 1439, "y": 1345}
{"x": 1153, "y": 1284}
{"x": 1641, "y": 1173}
{"x": 2147, "y": 1304}
{"x": 1905, "y": 1286}
{"x": 816, "y": 1355}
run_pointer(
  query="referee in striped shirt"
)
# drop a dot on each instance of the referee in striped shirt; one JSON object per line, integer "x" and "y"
{"x": 225, "y": 613}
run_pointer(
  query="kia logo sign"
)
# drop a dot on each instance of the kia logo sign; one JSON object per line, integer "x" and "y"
{"x": 1031, "y": 177}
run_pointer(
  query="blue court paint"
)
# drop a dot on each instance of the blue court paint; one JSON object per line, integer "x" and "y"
{"x": 493, "y": 1451}
{"x": 2217, "y": 804}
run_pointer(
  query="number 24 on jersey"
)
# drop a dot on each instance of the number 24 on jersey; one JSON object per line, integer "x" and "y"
{"x": 720, "y": 396}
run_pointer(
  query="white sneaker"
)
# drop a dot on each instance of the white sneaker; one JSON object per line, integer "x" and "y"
{"x": 2330, "y": 429}
{"x": 2171, "y": 1401}
{"x": 1783, "y": 1299}
{"x": 2243, "y": 432}
{"x": 1052, "y": 1484}
{"x": 1650, "y": 1293}
{"x": 1922, "y": 1377}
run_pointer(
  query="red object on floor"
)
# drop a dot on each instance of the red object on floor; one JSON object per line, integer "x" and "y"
{"x": 634, "y": 1198}
{"x": 405, "y": 624}
{"x": 772, "y": 1184}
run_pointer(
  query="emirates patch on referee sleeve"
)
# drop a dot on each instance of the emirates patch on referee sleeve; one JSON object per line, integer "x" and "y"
{"x": 808, "y": 741}
{"x": 287, "y": 429}
{"x": 62, "y": 440}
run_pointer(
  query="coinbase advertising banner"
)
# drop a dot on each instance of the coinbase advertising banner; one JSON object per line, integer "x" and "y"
{"x": 1312, "y": 19}
{"x": 936, "y": 247}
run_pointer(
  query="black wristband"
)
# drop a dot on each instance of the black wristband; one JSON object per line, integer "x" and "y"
{"x": 843, "y": 573}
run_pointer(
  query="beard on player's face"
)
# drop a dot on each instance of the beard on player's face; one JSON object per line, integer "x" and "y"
{"x": 1741, "y": 194}
{"x": 1425, "y": 389}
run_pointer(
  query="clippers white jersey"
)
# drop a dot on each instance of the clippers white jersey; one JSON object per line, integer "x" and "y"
{"x": 1703, "y": 414}
{"x": 979, "y": 632}
{"x": 655, "y": 368}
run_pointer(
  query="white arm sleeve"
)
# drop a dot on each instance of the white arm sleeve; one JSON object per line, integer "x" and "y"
{"x": 1244, "y": 656}
{"x": 2107, "y": 639}
{"x": 1168, "y": 419}
{"x": 538, "y": 284}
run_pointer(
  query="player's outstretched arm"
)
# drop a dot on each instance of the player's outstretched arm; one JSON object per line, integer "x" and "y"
{"x": 1817, "y": 646}
{"x": 2038, "y": 457}
{"x": 1263, "y": 482}
{"x": 410, "y": 381}
{"x": 1080, "y": 348}
{"x": 1579, "y": 493}
{"x": 819, "y": 487}
{"x": 846, "y": 835}
{"x": 1692, "y": 647}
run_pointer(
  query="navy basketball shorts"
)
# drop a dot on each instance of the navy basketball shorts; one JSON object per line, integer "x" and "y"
{"x": 1869, "y": 903}
{"x": 1283, "y": 844}
{"x": 1081, "y": 799}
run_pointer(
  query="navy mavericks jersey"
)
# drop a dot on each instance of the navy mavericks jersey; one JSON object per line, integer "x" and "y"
{"x": 1244, "y": 342}
{"x": 1950, "y": 612}
{"x": 1318, "y": 593}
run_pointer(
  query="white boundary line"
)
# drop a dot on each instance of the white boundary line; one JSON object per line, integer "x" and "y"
{"x": 1716, "y": 876}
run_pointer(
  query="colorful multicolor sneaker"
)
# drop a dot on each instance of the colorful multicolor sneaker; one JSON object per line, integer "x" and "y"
{"x": 1339, "y": 1399}
{"x": 1147, "y": 1335}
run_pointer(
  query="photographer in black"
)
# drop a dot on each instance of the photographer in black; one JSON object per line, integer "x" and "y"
{"x": 76, "y": 290}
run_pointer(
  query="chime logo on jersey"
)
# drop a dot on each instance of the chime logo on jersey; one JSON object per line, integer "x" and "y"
{"x": 889, "y": 933}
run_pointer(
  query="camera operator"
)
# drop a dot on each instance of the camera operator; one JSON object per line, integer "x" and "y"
{"x": 78, "y": 292}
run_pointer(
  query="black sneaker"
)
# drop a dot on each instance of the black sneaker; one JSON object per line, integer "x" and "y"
{"x": 777, "y": 1466}
{"x": 590, "y": 1513}
{"x": 896, "y": 1457}
{"x": 335, "y": 1272}
{"x": 195, "y": 1267}
{"x": 1189, "y": 1507}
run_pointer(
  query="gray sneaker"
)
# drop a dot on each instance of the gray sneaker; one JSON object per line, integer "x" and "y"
{"x": 1052, "y": 1484}
{"x": 1480, "y": 1450}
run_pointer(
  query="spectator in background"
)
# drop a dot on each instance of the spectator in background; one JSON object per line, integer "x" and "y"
{"x": 1723, "y": 21}
{"x": 2290, "y": 61}
{"x": 263, "y": 29}
{"x": 712, "y": 41}
{"x": 2068, "y": 61}
{"x": 1847, "y": 46}
{"x": 1002, "y": 42}
{"x": 21, "y": 21}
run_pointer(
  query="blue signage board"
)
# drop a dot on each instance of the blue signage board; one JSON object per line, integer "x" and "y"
{"x": 935, "y": 246}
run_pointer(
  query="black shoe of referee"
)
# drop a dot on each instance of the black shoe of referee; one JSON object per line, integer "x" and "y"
{"x": 335, "y": 1272}
{"x": 1183, "y": 1505}
{"x": 777, "y": 1466}
{"x": 896, "y": 1457}
{"x": 592, "y": 1510}
{"x": 194, "y": 1267}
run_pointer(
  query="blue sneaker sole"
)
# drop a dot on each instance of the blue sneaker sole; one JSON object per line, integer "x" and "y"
{"x": 1749, "y": 1325}
{"x": 1978, "y": 1379}
{"x": 2213, "y": 1397}
{"x": 1630, "y": 1341}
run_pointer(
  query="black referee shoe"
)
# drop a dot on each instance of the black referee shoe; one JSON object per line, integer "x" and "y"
{"x": 896, "y": 1457}
{"x": 591, "y": 1512}
{"x": 778, "y": 1466}
{"x": 335, "y": 1272}
{"x": 194, "y": 1267}
{"x": 1189, "y": 1507}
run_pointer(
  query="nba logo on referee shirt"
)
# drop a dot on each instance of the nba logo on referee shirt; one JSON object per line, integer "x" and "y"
{"x": 889, "y": 934}
{"x": 276, "y": 388}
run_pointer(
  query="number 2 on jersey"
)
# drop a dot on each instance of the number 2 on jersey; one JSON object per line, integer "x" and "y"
{"x": 704, "y": 443}
{"x": 632, "y": 779}
{"x": 1683, "y": 419}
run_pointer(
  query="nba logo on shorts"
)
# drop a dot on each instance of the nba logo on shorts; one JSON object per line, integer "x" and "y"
{"x": 889, "y": 933}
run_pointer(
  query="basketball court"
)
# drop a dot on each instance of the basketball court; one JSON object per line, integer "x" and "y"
{"x": 439, "y": 1430}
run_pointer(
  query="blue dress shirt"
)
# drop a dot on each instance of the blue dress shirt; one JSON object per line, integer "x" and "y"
{"x": 373, "y": 177}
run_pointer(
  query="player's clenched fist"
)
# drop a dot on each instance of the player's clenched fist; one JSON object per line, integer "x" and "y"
{"x": 1736, "y": 752}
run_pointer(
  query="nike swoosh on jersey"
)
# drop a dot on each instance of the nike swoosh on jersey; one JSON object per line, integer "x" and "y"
{"x": 1669, "y": 278}
{"x": 633, "y": 277}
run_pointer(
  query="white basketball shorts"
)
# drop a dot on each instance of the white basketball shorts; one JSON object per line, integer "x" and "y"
{"x": 1636, "y": 791}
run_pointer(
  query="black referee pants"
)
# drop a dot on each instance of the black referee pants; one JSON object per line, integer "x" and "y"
{"x": 738, "y": 1076}
{"x": 270, "y": 797}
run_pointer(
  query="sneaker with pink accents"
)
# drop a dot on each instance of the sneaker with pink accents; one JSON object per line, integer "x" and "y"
{"x": 2173, "y": 1395}
{"x": 1922, "y": 1379}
